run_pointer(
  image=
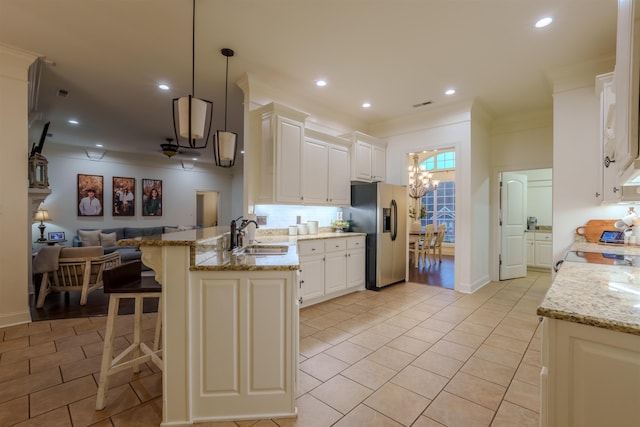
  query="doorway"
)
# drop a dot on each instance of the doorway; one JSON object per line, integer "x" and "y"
{"x": 207, "y": 208}
{"x": 436, "y": 206}
{"x": 538, "y": 205}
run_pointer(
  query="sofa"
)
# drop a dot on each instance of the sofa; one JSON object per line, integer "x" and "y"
{"x": 108, "y": 238}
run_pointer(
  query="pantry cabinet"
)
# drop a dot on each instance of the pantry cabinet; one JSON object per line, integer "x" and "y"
{"x": 330, "y": 268}
{"x": 368, "y": 158}
{"x": 539, "y": 249}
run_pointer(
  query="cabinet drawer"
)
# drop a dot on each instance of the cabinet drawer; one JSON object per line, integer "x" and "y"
{"x": 531, "y": 235}
{"x": 334, "y": 245}
{"x": 543, "y": 236}
{"x": 310, "y": 247}
{"x": 355, "y": 242}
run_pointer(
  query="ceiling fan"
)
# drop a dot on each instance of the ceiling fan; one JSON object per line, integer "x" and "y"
{"x": 170, "y": 149}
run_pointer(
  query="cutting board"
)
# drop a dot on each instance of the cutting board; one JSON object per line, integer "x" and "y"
{"x": 594, "y": 228}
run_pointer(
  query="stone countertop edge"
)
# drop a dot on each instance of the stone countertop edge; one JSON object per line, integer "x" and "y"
{"x": 209, "y": 236}
{"x": 604, "y": 296}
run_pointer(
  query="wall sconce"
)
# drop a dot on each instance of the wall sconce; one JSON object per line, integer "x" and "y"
{"x": 42, "y": 215}
{"x": 225, "y": 143}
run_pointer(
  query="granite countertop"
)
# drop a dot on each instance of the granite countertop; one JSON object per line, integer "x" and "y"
{"x": 605, "y": 296}
{"x": 205, "y": 253}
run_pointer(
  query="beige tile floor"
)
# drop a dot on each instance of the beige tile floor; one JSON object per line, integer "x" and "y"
{"x": 409, "y": 355}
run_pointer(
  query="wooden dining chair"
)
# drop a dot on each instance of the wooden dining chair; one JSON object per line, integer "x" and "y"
{"x": 437, "y": 243}
{"x": 429, "y": 231}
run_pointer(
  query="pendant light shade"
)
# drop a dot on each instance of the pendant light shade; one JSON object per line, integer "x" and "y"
{"x": 192, "y": 117}
{"x": 198, "y": 114}
{"x": 225, "y": 143}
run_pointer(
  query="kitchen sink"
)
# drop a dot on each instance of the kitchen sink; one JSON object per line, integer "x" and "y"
{"x": 263, "y": 250}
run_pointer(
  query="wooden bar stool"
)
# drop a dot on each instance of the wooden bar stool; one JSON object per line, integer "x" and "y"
{"x": 125, "y": 281}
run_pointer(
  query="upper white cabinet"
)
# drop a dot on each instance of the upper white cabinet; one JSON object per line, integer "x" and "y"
{"x": 368, "y": 158}
{"x": 610, "y": 190}
{"x": 280, "y": 144}
{"x": 294, "y": 165}
{"x": 626, "y": 88}
{"x": 326, "y": 170}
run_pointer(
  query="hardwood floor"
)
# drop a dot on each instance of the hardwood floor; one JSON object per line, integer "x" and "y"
{"x": 435, "y": 274}
{"x": 67, "y": 305}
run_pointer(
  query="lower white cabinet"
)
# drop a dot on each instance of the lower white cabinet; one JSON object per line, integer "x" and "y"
{"x": 330, "y": 268}
{"x": 590, "y": 376}
{"x": 539, "y": 249}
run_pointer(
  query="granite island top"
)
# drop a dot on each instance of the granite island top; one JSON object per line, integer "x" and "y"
{"x": 209, "y": 253}
{"x": 605, "y": 296}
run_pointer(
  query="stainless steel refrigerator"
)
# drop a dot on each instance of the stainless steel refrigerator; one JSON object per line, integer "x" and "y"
{"x": 380, "y": 210}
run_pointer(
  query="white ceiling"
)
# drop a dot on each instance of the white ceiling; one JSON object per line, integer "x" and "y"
{"x": 111, "y": 54}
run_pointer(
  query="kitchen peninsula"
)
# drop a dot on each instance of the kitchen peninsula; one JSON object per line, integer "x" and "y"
{"x": 230, "y": 324}
{"x": 591, "y": 340}
{"x": 230, "y": 328}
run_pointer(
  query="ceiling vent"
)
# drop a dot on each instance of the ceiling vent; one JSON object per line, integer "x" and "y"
{"x": 422, "y": 104}
{"x": 63, "y": 93}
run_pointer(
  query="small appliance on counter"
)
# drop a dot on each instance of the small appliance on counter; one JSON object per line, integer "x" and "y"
{"x": 532, "y": 223}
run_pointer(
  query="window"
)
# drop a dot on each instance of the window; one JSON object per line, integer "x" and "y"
{"x": 441, "y": 204}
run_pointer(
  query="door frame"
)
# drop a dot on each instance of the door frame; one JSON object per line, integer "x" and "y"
{"x": 495, "y": 244}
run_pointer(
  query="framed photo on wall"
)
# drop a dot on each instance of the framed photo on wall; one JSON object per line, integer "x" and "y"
{"x": 151, "y": 197}
{"x": 90, "y": 195}
{"x": 124, "y": 196}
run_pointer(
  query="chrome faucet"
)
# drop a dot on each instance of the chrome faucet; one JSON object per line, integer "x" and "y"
{"x": 236, "y": 231}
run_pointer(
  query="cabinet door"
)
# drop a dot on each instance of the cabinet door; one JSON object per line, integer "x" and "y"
{"x": 544, "y": 254}
{"x": 363, "y": 155}
{"x": 311, "y": 277}
{"x": 339, "y": 184}
{"x": 289, "y": 141}
{"x": 315, "y": 171}
{"x": 356, "y": 261}
{"x": 379, "y": 164}
{"x": 531, "y": 253}
{"x": 335, "y": 265}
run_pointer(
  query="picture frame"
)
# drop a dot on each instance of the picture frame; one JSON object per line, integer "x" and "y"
{"x": 90, "y": 195}
{"x": 152, "y": 197}
{"x": 56, "y": 236}
{"x": 124, "y": 200}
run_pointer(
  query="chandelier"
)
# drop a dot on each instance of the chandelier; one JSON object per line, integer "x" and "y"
{"x": 421, "y": 182}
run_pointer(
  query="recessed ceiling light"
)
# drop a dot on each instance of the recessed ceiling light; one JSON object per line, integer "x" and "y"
{"x": 450, "y": 92}
{"x": 99, "y": 145}
{"x": 544, "y": 22}
{"x": 366, "y": 105}
{"x": 241, "y": 151}
{"x": 321, "y": 83}
{"x": 73, "y": 121}
{"x": 163, "y": 87}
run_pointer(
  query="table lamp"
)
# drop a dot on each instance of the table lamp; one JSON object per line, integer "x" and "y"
{"x": 42, "y": 216}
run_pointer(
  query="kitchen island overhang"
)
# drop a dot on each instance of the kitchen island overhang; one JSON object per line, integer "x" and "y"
{"x": 230, "y": 328}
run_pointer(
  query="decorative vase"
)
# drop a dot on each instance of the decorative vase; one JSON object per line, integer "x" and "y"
{"x": 416, "y": 226}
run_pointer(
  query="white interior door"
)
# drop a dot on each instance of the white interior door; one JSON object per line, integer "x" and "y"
{"x": 513, "y": 220}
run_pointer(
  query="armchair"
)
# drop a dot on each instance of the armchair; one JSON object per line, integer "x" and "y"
{"x": 78, "y": 270}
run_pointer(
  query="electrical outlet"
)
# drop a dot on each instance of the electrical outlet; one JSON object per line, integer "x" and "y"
{"x": 261, "y": 220}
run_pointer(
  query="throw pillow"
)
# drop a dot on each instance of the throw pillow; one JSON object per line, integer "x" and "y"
{"x": 89, "y": 237}
{"x": 108, "y": 239}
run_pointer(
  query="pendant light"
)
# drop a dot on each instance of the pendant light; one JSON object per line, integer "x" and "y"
{"x": 192, "y": 126}
{"x": 421, "y": 182}
{"x": 224, "y": 144}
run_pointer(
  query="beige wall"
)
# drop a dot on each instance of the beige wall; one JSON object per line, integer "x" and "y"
{"x": 14, "y": 210}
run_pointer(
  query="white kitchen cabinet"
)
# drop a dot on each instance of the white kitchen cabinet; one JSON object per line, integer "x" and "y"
{"x": 326, "y": 170}
{"x": 539, "y": 249}
{"x": 330, "y": 268}
{"x": 590, "y": 376}
{"x": 356, "y": 261}
{"x": 610, "y": 190}
{"x": 368, "y": 158}
{"x": 335, "y": 265}
{"x": 280, "y": 144}
{"x": 311, "y": 255}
